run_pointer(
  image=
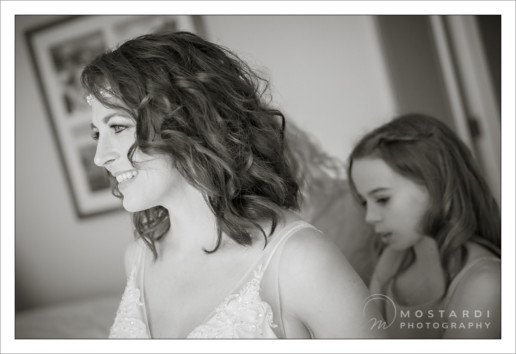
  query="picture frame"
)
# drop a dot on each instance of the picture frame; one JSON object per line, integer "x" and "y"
{"x": 58, "y": 52}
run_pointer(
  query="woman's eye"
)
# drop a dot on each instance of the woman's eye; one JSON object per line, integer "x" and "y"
{"x": 118, "y": 128}
{"x": 95, "y": 135}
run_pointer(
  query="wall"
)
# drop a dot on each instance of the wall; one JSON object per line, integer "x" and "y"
{"x": 326, "y": 73}
{"x": 58, "y": 256}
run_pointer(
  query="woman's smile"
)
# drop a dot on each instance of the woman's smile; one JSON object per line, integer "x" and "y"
{"x": 126, "y": 176}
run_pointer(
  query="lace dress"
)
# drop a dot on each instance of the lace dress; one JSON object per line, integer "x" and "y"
{"x": 242, "y": 314}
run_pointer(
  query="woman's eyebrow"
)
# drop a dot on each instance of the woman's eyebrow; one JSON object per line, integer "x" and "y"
{"x": 107, "y": 118}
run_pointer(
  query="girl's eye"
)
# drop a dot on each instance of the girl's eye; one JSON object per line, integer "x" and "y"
{"x": 95, "y": 135}
{"x": 382, "y": 201}
{"x": 363, "y": 203}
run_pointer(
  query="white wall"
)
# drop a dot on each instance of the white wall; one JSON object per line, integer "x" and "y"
{"x": 326, "y": 73}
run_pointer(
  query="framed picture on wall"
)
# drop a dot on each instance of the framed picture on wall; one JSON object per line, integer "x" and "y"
{"x": 59, "y": 51}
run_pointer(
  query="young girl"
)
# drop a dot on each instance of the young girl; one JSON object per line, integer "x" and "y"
{"x": 201, "y": 160}
{"x": 438, "y": 227}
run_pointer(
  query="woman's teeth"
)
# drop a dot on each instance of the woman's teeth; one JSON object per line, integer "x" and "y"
{"x": 126, "y": 176}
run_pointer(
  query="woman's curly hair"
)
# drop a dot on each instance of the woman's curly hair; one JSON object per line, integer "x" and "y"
{"x": 462, "y": 208}
{"x": 198, "y": 103}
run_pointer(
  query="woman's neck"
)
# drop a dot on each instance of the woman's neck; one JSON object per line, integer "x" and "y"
{"x": 193, "y": 225}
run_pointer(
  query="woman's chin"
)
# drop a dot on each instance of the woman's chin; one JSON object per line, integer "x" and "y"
{"x": 131, "y": 207}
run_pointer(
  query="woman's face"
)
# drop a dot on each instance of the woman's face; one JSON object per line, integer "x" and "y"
{"x": 394, "y": 204}
{"x": 151, "y": 181}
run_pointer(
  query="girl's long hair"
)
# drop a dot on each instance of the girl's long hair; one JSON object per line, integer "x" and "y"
{"x": 429, "y": 153}
{"x": 202, "y": 106}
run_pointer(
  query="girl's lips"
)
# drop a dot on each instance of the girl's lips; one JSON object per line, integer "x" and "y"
{"x": 385, "y": 237}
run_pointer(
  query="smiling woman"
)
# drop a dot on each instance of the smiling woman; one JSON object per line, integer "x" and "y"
{"x": 201, "y": 159}
{"x": 137, "y": 174}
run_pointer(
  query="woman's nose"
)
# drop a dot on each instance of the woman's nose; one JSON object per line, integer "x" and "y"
{"x": 372, "y": 215}
{"x": 105, "y": 153}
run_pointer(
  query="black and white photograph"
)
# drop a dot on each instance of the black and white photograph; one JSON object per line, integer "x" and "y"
{"x": 185, "y": 177}
{"x": 59, "y": 51}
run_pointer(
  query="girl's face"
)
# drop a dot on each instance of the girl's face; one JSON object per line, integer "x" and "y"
{"x": 151, "y": 180}
{"x": 394, "y": 204}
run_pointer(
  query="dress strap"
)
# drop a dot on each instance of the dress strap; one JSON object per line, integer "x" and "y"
{"x": 138, "y": 264}
{"x": 137, "y": 251}
{"x": 277, "y": 250}
{"x": 282, "y": 239}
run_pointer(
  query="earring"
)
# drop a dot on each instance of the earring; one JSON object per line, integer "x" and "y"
{"x": 90, "y": 99}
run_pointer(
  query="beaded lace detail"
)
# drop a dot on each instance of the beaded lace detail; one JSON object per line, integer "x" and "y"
{"x": 241, "y": 315}
{"x": 128, "y": 321}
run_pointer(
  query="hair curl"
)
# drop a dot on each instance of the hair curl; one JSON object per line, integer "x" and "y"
{"x": 198, "y": 103}
{"x": 429, "y": 153}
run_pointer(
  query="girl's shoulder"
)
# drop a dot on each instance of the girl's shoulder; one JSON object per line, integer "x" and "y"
{"x": 479, "y": 261}
{"x": 479, "y": 281}
{"x": 476, "y": 250}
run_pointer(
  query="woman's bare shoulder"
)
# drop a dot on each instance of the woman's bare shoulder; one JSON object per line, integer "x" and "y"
{"x": 310, "y": 249}
{"x": 320, "y": 288}
{"x": 309, "y": 252}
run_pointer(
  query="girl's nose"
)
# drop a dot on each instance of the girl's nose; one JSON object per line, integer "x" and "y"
{"x": 372, "y": 215}
{"x": 105, "y": 153}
